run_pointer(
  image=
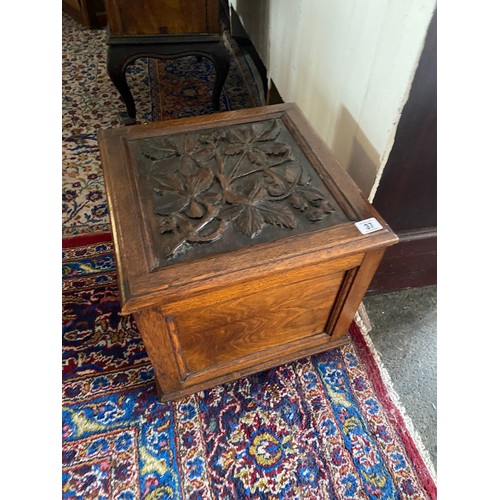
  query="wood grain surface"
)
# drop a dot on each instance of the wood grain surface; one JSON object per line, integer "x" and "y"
{"x": 162, "y": 17}
{"x": 238, "y": 327}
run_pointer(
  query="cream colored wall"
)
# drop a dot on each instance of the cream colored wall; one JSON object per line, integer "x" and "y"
{"x": 347, "y": 64}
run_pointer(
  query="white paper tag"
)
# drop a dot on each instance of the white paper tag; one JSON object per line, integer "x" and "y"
{"x": 368, "y": 225}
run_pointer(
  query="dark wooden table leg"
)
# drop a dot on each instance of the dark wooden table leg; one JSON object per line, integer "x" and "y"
{"x": 221, "y": 62}
{"x": 118, "y": 60}
{"x": 120, "y": 55}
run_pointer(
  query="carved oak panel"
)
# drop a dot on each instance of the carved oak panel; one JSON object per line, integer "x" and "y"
{"x": 220, "y": 189}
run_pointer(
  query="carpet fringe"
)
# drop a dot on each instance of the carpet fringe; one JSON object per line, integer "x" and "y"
{"x": 360, "y": 319}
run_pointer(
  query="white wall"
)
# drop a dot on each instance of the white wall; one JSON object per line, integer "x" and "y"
{"x": 348, "y": 64}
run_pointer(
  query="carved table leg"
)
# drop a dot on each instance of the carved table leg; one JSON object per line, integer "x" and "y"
{"x": 118, "y": 60}
{"x": 122, "y": 54}
{"x": 221, "y": 62}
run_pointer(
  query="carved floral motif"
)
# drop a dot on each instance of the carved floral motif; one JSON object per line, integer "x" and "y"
{"x": 240, "y": 176}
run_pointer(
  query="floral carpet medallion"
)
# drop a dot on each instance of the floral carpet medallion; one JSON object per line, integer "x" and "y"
{"x": 319, "y": 428}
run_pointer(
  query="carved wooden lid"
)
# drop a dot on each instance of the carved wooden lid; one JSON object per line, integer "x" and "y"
{"x": 229, "y": 194}
{"x": 216, "y": 190}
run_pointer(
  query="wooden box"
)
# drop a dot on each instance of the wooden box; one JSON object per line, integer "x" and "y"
{"x": 235, "y": 242}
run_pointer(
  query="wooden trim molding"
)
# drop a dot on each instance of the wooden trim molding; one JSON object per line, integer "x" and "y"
{"x": 410, "y": 264}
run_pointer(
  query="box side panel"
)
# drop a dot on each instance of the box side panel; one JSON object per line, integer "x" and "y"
{"x": 220, "y": 332}
{"x": 253, "y": 323}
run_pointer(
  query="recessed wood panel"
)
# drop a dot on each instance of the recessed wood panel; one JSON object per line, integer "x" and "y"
{"x": 240, "y": 327}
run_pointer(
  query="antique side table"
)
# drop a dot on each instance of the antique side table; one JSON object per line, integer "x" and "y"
{"x": 240, "y": 242}
{"x": 163, "y": 28}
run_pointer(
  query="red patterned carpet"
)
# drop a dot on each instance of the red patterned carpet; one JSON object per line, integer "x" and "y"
{"x": 320, "y": 428}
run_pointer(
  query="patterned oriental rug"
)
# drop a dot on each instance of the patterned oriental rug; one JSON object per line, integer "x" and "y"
{"x": 324, "y": 427}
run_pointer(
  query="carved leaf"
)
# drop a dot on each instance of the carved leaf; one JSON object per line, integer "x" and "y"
{"x": 190, "y": 143}
{"x": 200, "y": 181}
{"x": 298, "y": 202}
{"x": 312, "y": 195}
{"x": 257, "y": 156}
{"x": 169, "y": 182}
{"x": 234, "y": 198}
{"x": 247, "y": 134}
{"x": 204, "y": 154}
{"x": 247, "y": 168}
{"x": 267, "y": 134}
{"x": 305, "y": 179}
{"x": 211, "y": 232}
{"x": 230, "y": 212}
{"x": 209, "y": 198}
{"x": 235, "y": 136}
{"x": 194, "y": 210}
{"x": 277, "y": 215}
{"x": 184, "y": 227}
{"x": 171, "y": 202}
{"x": 326, "y": 207}
{"x": 206, "y": 138}
{"x": 275, "y": 148}
{"x": 220, "y": 161}
{"x": 160, "y": 149}
{"x": 223, "y": 181}
{"x": 232, "y": 149}
{"x": 188, "y": 166}
{"x": 167, "y": 224}
{"x": 249, "y": 222}
{"x": 166, "y": 165}
{"x": 314, "y": 214}
{"x": 291, "y": 174}
{"x": 258, "y": 192}
{"x": 208, "y": 229}
{"x": 219, "y": 133}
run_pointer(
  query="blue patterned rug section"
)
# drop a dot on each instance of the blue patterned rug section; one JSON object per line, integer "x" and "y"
{"x": 317, "y": 428}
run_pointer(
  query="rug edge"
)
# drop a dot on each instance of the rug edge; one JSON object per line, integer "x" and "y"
{"x": 391, "y": 399}
{"x": 85, "y": 239}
